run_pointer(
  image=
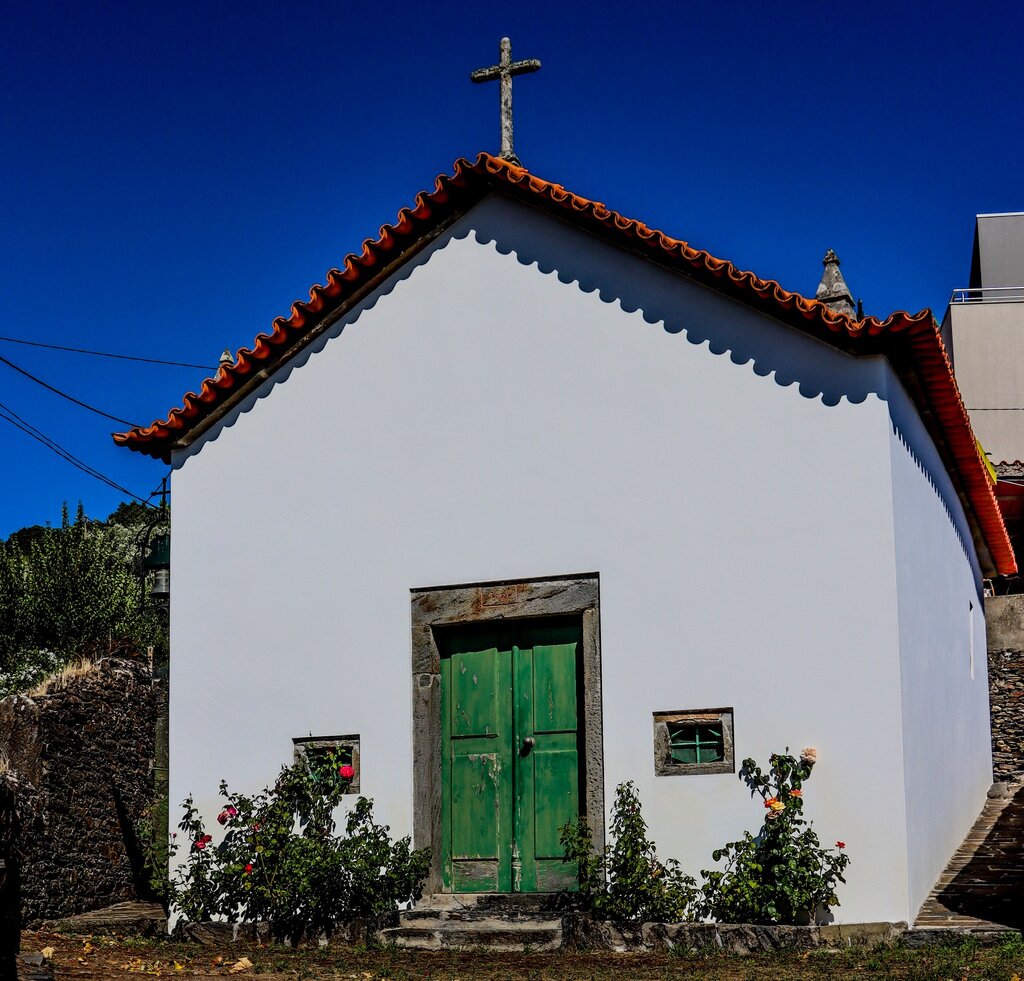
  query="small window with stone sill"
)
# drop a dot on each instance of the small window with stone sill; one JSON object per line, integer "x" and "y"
{"x": 345, "y": 750}
{"x": 693, "y": 742}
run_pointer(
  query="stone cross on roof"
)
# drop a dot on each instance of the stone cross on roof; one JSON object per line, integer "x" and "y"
{"x": 504, "y": 70}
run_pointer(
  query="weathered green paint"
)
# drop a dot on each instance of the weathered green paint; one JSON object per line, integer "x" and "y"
{"x": 696, "y": 743}
{"x": 510, "y": 759}
{"x": 476, "y": 677}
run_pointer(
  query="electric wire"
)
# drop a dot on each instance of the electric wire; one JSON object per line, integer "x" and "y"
{"x": 8, "y": 415}
{"x": 70, "y": 398}
{"x": 107, "y": 354}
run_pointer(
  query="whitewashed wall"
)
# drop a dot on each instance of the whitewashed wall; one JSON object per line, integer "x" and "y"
{"x": 523, "y": 400}
{"x": 947, "y": 750}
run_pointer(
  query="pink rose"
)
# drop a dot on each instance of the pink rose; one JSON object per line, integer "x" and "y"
{"x": 346, "y": 772}
{"x": 202, "y": 842}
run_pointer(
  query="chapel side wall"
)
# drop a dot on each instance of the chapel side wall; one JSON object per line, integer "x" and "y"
{"x": 946, "y": 749}
{"x": 520, "y": 401}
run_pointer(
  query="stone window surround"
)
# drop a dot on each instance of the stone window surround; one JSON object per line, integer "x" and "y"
{"x": 440, "y": 606}
{"x": 665, "y": 766}
{"x": 349, "y": 742}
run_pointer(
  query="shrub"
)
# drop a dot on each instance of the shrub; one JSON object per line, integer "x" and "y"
{"x": 782, "y": 875}
{"x": 627, "y": 883}
{"x": 280, "y": 860}
{"x": 68, "y": 593}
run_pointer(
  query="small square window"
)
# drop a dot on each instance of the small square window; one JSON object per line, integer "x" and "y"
{"x": 344, "y": 748}
{"x": 697, "y": 741}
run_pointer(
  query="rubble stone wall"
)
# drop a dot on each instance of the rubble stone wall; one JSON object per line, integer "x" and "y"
{"x": 1004, "y": 618}
{"x": 87, "y": 751}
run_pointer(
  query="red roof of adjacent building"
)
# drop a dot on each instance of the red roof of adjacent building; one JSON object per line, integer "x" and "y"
{"x": 911, "y": 341}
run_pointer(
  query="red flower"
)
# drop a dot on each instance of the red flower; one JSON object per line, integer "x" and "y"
{"x": 248, "y": 869}
{"x": 840, "y": 844}
{"x": 796, "y": 793}
{"x": 201, "y": 843}
{"x": 256, "y": 826}
{"x": 231, "y": 810}
{"x": 346, "y": 772}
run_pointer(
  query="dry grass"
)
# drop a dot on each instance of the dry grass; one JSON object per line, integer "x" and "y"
{"x": 96, "y": 958}
{"x": 62, "y": 678}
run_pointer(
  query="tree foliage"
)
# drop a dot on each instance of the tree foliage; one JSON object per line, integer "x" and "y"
{"x": 67, "y": 593}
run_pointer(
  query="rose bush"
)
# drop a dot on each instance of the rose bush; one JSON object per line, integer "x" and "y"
{"x": 280, "y": 860}
{"x": 781, "y": 875}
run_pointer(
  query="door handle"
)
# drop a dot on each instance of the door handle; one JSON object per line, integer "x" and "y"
{"x": 528, "y": 743}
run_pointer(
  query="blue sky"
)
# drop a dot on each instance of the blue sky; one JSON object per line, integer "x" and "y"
{"x": 173, "y": 176}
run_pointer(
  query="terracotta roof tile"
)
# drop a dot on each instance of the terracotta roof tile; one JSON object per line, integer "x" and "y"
{"x": 911, "y": 341}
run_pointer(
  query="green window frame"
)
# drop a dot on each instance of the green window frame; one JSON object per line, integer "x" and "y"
{"x": 693, "y": 742}
{"x": 696, "y": 742}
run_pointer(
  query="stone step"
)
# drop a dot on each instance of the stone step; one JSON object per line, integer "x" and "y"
{"x": 501, "y": 922}
{"x": 471, "y": 914}
{"x": 982, "y": 887}
{"x": 493, "y": 933}
{"x": 131, "y": 918}
{"x": 473, "y": 906}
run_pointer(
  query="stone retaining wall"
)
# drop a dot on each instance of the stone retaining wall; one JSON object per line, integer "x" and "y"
{"x": 582, "y": 933}
{"x": 1004, "y": 619}
{"x": 87, "y": 752}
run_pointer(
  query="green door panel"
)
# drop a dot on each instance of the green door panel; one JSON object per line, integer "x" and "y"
{"x": 547, "y": 795}
{"x": 476, "y": 729}
{"x": 478, "y": 698}
{"x": 556, "y": 799}
{"x": 510, "y": 760}
{"x": 476, "y": 798}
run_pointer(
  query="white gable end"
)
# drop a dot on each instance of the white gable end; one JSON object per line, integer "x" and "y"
{"x": 523, "y": 400}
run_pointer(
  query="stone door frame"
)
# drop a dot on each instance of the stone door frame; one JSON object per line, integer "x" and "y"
{"x": 439, "y": 606}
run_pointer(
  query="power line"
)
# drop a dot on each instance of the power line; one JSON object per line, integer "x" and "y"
{"x": 7, "y": 414}
{"x": 70, "y": 398}
{"x": 107, "y": 354}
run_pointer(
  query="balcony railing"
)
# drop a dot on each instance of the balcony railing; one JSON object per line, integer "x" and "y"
{"x": 988, "y": 294}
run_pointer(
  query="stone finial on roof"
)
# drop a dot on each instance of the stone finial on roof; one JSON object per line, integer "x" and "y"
{"x": 832, "y": 290}
{"x": 227, "y": 358}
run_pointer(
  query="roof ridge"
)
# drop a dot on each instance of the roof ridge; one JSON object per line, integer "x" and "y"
{"x": 469, "y": 181}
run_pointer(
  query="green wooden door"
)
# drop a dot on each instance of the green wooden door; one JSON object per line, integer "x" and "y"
{"x": 510, "y": 761}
